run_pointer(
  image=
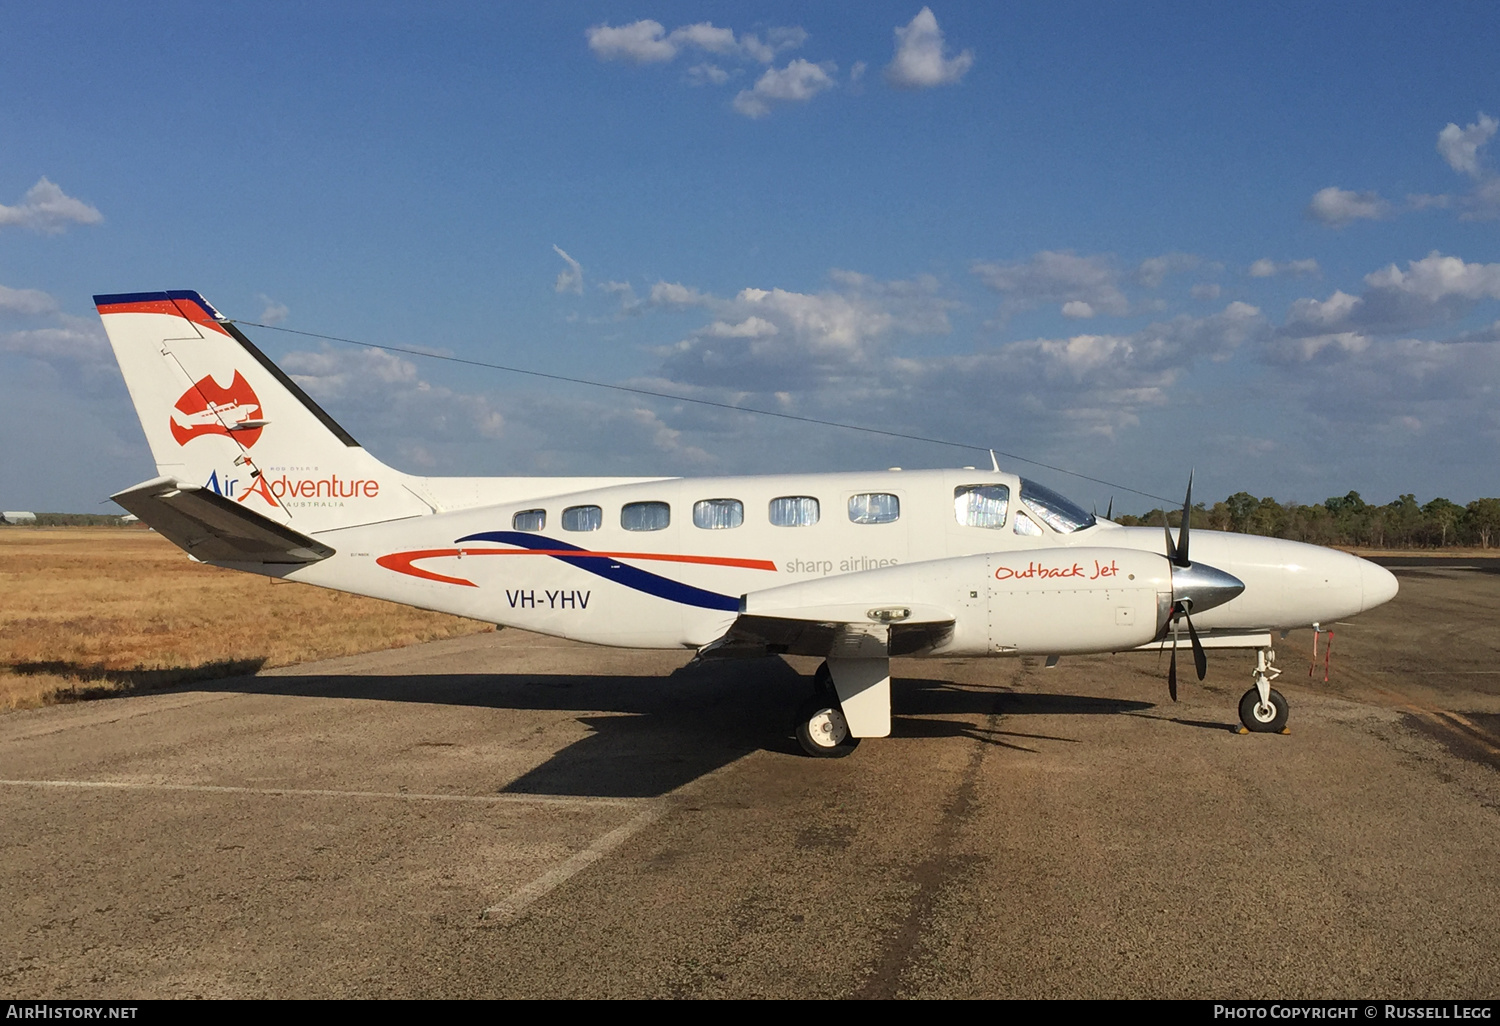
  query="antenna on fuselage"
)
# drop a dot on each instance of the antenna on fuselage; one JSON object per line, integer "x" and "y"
{"x": 994, "y": 462}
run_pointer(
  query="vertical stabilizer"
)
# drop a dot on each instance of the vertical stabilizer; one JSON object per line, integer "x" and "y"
{"x": 219, "y": 414}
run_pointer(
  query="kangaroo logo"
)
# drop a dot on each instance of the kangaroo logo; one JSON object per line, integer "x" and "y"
{"x": 208, "y": 409}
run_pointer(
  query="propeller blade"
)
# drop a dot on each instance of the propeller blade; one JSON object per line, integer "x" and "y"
{"x": 1172, "y": 670}
{"x": 1182, "y": 533}
{"x": 1171, "y": 546}
{"x": 1200, "y": 659}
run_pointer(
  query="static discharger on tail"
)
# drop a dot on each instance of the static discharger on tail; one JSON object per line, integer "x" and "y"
{"x": 852, "y": 567}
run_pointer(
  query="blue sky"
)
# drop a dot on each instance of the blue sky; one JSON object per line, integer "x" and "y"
{"x": 1126, "y": 240}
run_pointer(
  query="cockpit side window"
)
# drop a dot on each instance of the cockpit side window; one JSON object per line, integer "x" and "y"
{"x": 1061, "y": 514}
{"x": 1027, "y": 526}
{"x": 981, "y": 505}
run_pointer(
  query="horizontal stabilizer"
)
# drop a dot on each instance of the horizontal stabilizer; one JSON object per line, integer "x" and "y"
{"x": 216, "y": 529}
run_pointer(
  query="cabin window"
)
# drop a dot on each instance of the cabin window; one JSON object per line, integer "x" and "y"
{"x": 794, "y": 511}
{"x": 718, "y": 514}
{"x": 1062, "y": 514}
{"x": 1025, "y": 525}
{"x": 582, "y": 518}
{"x": 874, "y": 508}
{"x": 529, "y": 520}
{"x": 645, "y": 516}
{"x": 981, "y": 505}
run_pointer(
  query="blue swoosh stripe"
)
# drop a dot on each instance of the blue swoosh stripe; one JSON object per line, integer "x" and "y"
{"x": 612, "y": 570}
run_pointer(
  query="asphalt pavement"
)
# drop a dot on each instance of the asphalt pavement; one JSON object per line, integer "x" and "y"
{"x": 508, "y": 815}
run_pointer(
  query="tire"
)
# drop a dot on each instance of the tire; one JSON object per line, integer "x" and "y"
{"x": 822, "y": 731}
{"x": 1255, "y": 717}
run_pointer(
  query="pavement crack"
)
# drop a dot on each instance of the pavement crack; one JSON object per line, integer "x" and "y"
{"x": 932, "y": 877}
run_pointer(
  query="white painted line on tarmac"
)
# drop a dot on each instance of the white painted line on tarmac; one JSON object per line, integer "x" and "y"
{"x": 297, "y": 792}
{"x": 518, "y": 902}
{"x": 515, "y": 905}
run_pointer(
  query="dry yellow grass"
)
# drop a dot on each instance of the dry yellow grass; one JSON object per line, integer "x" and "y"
{"x": 88, "y": 612}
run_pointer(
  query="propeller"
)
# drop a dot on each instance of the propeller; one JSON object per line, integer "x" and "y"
{"x": 1177, "y": 553}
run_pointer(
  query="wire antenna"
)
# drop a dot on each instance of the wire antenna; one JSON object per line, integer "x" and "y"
{"x": 703, "y": 402}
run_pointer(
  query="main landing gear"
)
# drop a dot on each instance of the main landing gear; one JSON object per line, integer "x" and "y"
{"x": 1263, "y": 709}
{"x": 822, "y": 729}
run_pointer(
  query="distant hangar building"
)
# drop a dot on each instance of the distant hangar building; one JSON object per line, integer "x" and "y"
{"x": 17, "y": 517}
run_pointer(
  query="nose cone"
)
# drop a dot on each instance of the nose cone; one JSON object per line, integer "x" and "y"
{"x": 1378, "y": 585}
{"x": 1201, "y": 586}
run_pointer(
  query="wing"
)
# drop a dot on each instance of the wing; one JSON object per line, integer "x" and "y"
{"x": 211, "y": 527}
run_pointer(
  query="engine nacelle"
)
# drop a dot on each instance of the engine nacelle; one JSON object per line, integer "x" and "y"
{"x": 1038, "y": 602}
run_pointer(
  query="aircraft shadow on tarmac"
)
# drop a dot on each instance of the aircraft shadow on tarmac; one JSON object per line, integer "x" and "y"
{"x": 651, "y": 734}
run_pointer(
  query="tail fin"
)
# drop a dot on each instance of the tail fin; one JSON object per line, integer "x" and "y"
{"x": 220, "y": 415}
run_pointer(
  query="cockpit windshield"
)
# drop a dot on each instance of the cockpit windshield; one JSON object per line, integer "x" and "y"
{"x": 1061, "y": 514}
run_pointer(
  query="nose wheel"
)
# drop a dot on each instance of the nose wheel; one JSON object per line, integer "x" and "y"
{"x": 1268, "y": 717}
{"x": 1263, "y": 709}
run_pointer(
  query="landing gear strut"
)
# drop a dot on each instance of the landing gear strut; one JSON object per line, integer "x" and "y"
{"x": 1263, "y": 709}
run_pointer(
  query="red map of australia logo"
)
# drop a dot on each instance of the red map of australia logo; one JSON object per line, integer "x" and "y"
{"x": 207, "y": 409}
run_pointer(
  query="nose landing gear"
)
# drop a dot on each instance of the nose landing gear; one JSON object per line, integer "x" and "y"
{"x": 1263, "y": 709}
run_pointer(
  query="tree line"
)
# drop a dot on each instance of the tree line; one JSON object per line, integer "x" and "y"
{"x": 1348, "y": 521}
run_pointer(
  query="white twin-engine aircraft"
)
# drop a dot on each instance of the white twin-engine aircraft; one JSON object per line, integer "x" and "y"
{"x": 853, "y": 567}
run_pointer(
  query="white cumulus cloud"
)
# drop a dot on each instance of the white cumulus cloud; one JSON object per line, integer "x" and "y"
{"x": 1083, "y": 285}
{"x": 273, "y": 312}
{"x": 1434, "y": 289}
{"x": 390, "y": 388}
{"x": 1267, "y": 268}
{"x": 750, "y": 327}
{"x": 643, "y": 42}
{"x": 706, "y": 36}
{"x": 919, "y": 62}
{"x": 26, "y": 301}
{"x": 798, "y": 82}
{"x": 706, "y": 74}
{"x": 676, "y": 294}
{"x": 47, "y": 209}
{"x": 1337, "y": 207}
{"x": 771, "y": 340}
{"x": 1154, "y": 270}
{"x": 1460, "y": 146}
{"x": 648, "y": 42}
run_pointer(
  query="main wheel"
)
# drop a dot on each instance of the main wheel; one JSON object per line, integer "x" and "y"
{"x": 1264, "y": 719}
{"x": 822, "y": 730}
